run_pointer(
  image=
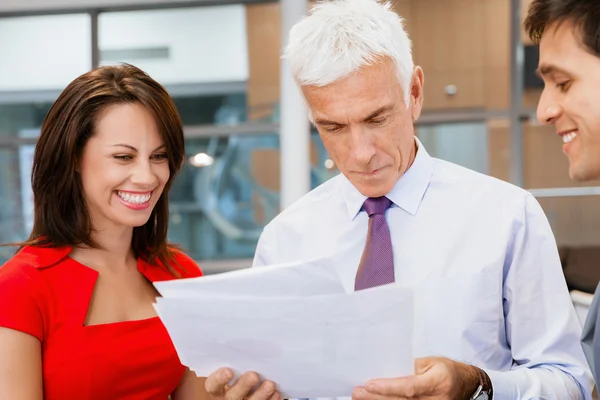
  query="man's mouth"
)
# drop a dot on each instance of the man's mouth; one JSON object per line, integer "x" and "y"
{"x": 369, "y": 173}
{"x": 568, "y": 136}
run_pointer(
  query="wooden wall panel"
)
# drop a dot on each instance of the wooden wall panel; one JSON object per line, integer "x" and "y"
{"x": 449, "y": 45}
{"x": 544, "y": 164}
{"x": 458, "y": 42}
{"x": 263, "y": 23}
{"x": 531, "y": 98}
{"x": 574, "y": 220}
{"x": 496, "y": 70}
{"x": 404, "y": 9}
{"x": 524, "y": 8}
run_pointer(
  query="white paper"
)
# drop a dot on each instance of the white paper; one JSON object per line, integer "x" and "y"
{"x": 310, "y": 345}
{"x": 315, "y": 277}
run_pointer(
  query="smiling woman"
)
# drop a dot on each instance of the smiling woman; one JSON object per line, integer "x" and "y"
{"x": 125, "y": 167}
{"x": 76, "y": 301}
{"x": 97, "y": 111}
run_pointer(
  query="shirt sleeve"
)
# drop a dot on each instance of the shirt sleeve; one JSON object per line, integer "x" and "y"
{"x": 265, "y": 248}
{"x": 186, "y": 265}
{"x": 542, "y": 328}
{"x": 19, "y": 301}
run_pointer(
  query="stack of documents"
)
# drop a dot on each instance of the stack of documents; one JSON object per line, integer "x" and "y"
{"x": 293, "y": 324}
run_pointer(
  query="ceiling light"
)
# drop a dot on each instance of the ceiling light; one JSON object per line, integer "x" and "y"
{"x": 201, "y": 160}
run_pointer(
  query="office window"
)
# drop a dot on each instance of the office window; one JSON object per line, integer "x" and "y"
{"x": 229, "y": 190}
{"x": 464, "y": 144}
{"x": 228, "y": 108}
{"x": 39, "y": 56}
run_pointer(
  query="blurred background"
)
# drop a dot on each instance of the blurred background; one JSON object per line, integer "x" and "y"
{"x": 220, "y": 61}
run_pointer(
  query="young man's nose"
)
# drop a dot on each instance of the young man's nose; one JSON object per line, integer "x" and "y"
{"x": 548, "y": 109}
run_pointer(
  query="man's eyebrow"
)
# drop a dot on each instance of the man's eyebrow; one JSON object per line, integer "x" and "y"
{"x": 378, "y": 112}
{"x": 374, "y": 114}
{"x": 547, "y": 69}
{"x": 320, "y": 121}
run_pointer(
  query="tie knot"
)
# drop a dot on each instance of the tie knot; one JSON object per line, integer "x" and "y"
{"x": 376, "y": 205}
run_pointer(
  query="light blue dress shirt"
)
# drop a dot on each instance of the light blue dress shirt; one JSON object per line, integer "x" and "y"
{"x": 481, "y": 253}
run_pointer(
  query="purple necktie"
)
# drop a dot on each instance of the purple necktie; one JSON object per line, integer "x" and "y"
{"x": 377, "y": 263}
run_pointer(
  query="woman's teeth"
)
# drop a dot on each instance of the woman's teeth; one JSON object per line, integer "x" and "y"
{"x": 134, "y": 198}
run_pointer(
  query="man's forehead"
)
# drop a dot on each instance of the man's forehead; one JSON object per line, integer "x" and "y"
{"x": 561, "y": 37}
{"x": 562, "y": 52}
{"x": 557, "y": 46}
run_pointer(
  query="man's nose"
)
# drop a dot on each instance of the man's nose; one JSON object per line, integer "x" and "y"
{"x": 363, "y": 145}
{"x": 548, "y": 109}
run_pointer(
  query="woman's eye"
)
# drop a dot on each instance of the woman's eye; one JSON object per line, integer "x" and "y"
{"x": 161, "y": 156}
{"x": 123, "y": 157}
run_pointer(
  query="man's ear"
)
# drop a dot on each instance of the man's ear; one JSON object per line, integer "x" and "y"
{"x": 416, "y": 93}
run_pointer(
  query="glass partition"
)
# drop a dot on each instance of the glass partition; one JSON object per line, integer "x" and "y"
{"x": 229, "y": 190}
{"x": 464, "y": 144}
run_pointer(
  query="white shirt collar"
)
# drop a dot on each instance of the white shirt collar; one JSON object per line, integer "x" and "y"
{"x": 406, "y": 194}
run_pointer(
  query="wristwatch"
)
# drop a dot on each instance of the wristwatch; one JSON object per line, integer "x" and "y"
{"x": 484, "y": 390}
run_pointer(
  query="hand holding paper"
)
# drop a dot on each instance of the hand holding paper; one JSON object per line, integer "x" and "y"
{"x": 302, "y": 331}
{"x": 244, "y": 388}
{"x": 435, "y": 377}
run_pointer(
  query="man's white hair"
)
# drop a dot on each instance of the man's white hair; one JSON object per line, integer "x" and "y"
{"x": 339, "y": 37}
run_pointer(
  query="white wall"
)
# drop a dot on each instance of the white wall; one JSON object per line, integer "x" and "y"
{"x": 43, "y": 52}
{"x": 35, "y": 5}
{"x": 206, "y": 44}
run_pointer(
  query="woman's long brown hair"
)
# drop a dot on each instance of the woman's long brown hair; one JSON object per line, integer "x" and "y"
{"x": 61, "y": 217}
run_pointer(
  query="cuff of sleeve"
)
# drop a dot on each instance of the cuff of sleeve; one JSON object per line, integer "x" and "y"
{"x": 505, "y": 388}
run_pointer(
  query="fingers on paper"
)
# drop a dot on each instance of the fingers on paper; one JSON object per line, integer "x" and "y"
{"x": 406, "y": 387}
{"x": 246, "y": 387}
{"x": 216, "y": 383}
{"x": 275, "y": 396}
{"x": 249, "y": 387}
{"x": 266, "y": 391}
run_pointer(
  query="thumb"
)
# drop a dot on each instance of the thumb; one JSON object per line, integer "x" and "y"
{"x": 423, "y": 385}
{"x": 422, "y": 365}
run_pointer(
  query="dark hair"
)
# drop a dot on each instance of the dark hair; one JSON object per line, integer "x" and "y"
{"x": 61, "y": 217}
{"x": 583, "y": 14}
